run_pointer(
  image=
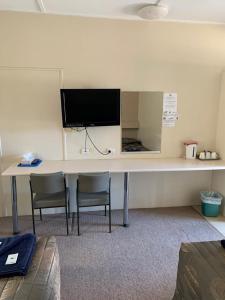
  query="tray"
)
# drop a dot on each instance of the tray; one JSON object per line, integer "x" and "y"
{"x": 37, "y": 163}
{"x": 208, "y": 159}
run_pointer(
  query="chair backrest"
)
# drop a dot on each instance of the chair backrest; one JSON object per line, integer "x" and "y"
{"x": 47, "y": 183}
{"x": 93, "y": 183}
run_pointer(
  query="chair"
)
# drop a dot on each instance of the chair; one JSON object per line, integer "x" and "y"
{"x": 49, "y": 191}
{"x": 93, "y": 190}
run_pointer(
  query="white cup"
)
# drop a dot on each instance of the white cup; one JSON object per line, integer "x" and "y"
{"x": 208, "y": 155}
{"x": 202, "y": 155}
{"x": 214, "y": 155}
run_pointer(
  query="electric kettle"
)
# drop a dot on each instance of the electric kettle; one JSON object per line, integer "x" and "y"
{"x": 190, "y": 149}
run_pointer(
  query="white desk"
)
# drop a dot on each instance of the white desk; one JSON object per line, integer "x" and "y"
{"x": 125, "y": 166}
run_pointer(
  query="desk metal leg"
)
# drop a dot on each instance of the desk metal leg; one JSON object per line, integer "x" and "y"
{"x": 14, "y": 205}
{"x": 125, "y": 202}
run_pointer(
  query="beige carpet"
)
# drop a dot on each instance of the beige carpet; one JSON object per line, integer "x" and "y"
{"x": 139, "y": 262}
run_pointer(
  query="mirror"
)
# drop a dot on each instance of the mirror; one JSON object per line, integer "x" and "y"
{"x": 141, "y": 121}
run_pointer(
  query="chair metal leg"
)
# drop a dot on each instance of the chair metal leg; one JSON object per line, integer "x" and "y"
{"x": 33, "y": 221}
{"x": 105, "y": 210}
{"x": 125, "y": 200}
{"x": 110, "y": 217}
{"x": 68, "y": 209}
{"x": 32, "y": 208}
{"x": 67, "y": 225}
{"x": 68, "y": 203}
{"x": 78, "y": 220}
{"x": 40, "y": 214}
{"x": 14, "y": 205}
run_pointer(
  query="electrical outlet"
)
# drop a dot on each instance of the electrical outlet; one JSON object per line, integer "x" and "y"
{"x": 112, "y": 150}
{"x": 85, "y": 151}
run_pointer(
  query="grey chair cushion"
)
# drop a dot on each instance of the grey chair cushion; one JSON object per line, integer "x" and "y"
{"x": 49, "y": 200}
{"x": 93, "y": 199}
{"x": 43, "y": 279}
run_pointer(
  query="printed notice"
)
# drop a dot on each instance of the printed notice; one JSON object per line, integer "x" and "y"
{"x": 170, "y": 115}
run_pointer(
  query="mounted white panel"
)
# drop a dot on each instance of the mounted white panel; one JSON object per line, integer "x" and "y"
{"x": 22, "y": 5}
{"x": 30, "y": 121}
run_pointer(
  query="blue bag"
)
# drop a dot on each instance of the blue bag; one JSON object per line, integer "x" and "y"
{"x": 24, "y": 245}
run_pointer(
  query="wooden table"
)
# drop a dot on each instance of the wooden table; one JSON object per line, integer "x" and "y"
{"x": 124, "y": 165}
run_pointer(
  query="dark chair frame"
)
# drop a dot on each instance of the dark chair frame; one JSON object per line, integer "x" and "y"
{"x": 78, "y": 207}
{"x": 67, "y": 202}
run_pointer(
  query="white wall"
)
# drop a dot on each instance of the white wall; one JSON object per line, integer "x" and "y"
{"x": 197, "y": 88}
{"x": 218, "y": 180}
{"x": 167, "y": 189}
{"x": 143, "y": 56}
{"x": 30, "y": 121}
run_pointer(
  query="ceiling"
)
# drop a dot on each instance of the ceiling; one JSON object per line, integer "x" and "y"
{"x": 210, "y": 11}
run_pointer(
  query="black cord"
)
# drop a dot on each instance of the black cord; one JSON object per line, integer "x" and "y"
{"x": 99, "y": 151}
{"x": 85, "y": 143}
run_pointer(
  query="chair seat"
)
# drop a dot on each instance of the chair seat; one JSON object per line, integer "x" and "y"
{"x": 93, "y": 199}
{"x": 49, "y": 200}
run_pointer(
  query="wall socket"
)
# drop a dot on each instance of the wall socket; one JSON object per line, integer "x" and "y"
{"x": 89, "y": 150}
{"x": 112, "y": 150}
{"x": 85, "y": 151}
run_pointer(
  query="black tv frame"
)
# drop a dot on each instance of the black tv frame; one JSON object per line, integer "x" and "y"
{"x": 88, "y": 124}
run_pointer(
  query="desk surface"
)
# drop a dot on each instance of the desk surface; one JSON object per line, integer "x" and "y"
{"x": 117, "y": 166}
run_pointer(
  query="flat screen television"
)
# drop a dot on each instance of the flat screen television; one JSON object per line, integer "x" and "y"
{"x": 90, "y": 107}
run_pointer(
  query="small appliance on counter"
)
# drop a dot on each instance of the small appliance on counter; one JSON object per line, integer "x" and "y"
{"x": 190, "y": 149}
{"x": 29, "y": 160}
{"x": 208, "y": 155}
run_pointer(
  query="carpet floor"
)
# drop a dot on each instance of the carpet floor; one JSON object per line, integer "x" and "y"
{"x": 134, "y": 263}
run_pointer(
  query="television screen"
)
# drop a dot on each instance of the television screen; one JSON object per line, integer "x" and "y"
{"x": 90, "y": 107}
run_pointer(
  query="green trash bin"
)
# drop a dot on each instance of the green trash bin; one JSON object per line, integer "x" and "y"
{"x": 211, "y": 203}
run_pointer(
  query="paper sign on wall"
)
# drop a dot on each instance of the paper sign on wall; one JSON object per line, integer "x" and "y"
{"x": 170, "y": 116}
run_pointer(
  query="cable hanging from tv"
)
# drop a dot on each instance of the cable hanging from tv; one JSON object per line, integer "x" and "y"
{"x": 96, "y": 148}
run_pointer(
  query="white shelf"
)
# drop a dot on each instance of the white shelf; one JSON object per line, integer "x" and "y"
{"x": 119, "y": 165}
